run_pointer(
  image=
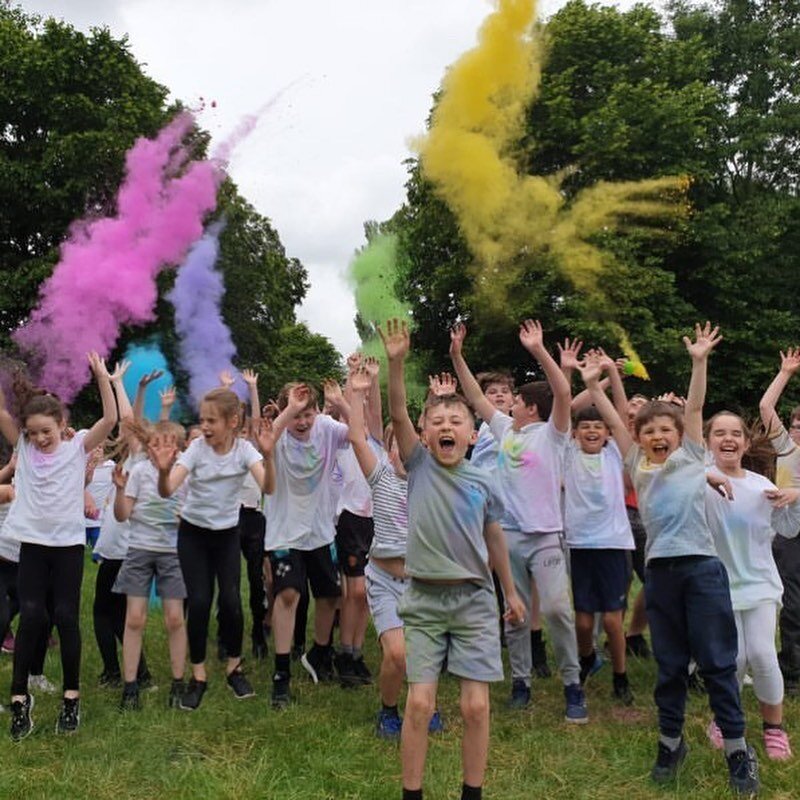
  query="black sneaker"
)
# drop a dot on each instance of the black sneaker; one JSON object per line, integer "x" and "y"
{"x": 240, "y": 685}
{"x": 622, "y": 693}
{"x": 176, "y": 692}
{"x": 130, "y": 698}
{"x": 346, "y": 670}
{"x": 668, "y": 762}
{"x": 520, "y": 694}
{"x": 318, "y": 663}
{"x": 110, "y": 679}
{"x": 362, "y": 671}
{"x": 539, "y": 656}
{"x": 636, "y": 645}
{"x": 280, "y": 690}
{"x": 743, "y": 772}
{"x": 193, "y": 695}
{"x": 21, "y": 719}
{"x": 70, "y": 717}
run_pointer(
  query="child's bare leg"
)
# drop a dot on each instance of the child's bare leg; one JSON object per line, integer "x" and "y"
{"x": 420, "y": 705}
{"x": 638, "y": 622}
{"x": 536, "y": 615}
{"x": 393, "y": 666}
{"x": 135, "y": 621}
{"x": 355, "y": 615}
{"x": 772, "y": 714}
{"x": 475, "y": 743}
{"x": 584, "y": 632}
{"x": 176, "y": 636}
{"x": 612, "y": 622}
{"x": 283, "y": 613}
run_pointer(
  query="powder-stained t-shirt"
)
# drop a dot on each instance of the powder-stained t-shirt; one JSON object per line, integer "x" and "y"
{"x": 448, "y": 509}
{"x": 672, "y": 501}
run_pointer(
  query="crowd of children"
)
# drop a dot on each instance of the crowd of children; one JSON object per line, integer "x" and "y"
{"x": 452, "y": 538}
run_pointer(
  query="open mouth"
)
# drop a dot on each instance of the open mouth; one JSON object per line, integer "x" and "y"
{"x": 660, "y": 449}
{"x": 447, "y": 444}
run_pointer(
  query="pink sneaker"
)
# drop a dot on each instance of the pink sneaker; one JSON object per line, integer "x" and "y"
{"x": 8, "y": 643}
{"x": 776, "y": 743}
{"x": 714, "y": 735}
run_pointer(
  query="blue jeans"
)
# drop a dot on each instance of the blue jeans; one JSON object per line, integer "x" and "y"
{"x": 690, "y": 615}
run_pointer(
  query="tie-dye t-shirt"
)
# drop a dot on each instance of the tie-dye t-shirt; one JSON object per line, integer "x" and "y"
{"x": 448, "y": 508}
{"x": 594, "y": 499}
{"x": 390, "y": 511}
{"x": 788, "y": 468}
{"x": 672, "y": 501}
{"x": 743, "y": 529}
{"x": 154, "y": 519}
{"x": 302, "y": 508}
{"x": 530, "y": 469}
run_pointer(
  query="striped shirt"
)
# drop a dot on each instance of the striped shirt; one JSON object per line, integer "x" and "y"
{"x": 389, "y": 510}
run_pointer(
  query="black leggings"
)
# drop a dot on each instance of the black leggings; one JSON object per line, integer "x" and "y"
{"x": 252, "y": 526}
{"x": 42, "y": 569}
{"x": 204, "y": 555}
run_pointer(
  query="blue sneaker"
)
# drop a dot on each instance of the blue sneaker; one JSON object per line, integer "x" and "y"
{"x": 436, "y": 725}
{"x": 520, "y": 694}
{"x": 576, "y": 704}
{"x": 389, "y": 725}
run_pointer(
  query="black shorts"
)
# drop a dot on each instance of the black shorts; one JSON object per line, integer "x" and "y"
{"x": 292, "y": 568}
{"x": 599, "y": 579}
{"x": 353, "y": 540}
{"x": 639, "y": 540}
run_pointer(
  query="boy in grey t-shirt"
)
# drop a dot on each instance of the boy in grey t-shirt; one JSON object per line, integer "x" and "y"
{"x": 449, "y": 608}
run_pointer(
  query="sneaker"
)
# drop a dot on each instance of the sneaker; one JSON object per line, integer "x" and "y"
{"x": 130, "y": 698}
{"x": 21, "y": 719}
{"x": 362, "y": 672}
{"x": 436, "y": 725}
{"x": 539, "y": 657}
{"x": 776, "y": 743}
{"x": 145, "y": 681}
{"x": 591, "y": 668}
{"x": 743, "y": 772}
{"x": 260, "y": 650}
{"x": 41, "y": 684}
{"x": 70, "y": 717}
{"x": 389, "y": 725}
{"x": 346, "y": 670}
{"x": 636, "y": 645}
{"x": 520, "y": 694}
{"x": 8, "y": 643}
{"x": 714, "y": 735}
{"x": 240, "y": 685}
{"x": 110, "y": 680}
{"x": 176, "y": 692}
{"x": 668, "y": 762}
{"x": 281, "y": 697}
{"x": 747, "y": 680}
{"x": 193, "y": 695}
{"x": 318, "y": 664}
{"x": 576, "y": 711}
{"x": 622, "y": 693}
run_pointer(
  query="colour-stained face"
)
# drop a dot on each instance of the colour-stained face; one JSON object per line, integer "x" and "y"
{"x": 300, "y": 424}
{"x": 500, "y": 396}
{"x": 658, "y": 438}
{"x": 44, "y": 432}
{"x": 217, "y": 430}
{"x": 727, "y": 441}
{"x": 448, "y": 431}
{"x": 591, "y": 435}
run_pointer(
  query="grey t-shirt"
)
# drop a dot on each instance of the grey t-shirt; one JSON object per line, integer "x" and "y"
{"x": 154, "y": 519}
{"x": 672, "y": 501}
{"x": 448, "y": 508}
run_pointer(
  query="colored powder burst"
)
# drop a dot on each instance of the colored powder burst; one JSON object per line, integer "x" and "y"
{"x": 106, "y": 275}
{"x": 468, "y": 154}
{"x": 206, "y": 346}
{"x": 144, "y": 358}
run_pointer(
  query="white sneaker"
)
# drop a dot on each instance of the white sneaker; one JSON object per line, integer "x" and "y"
{"x": 41, "y": 683}
{"x": 748, "y": 679}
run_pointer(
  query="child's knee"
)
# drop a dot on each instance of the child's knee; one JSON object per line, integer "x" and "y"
{"x": 420, "y": 706}
{"x": 394, "y": 653}
{"x": 173, "y": 620}
{"x": 475, "y": 708}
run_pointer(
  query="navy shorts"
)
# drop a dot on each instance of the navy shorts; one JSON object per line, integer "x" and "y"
{"x": 353, "y": 540}
{"x": 599, "y": 579}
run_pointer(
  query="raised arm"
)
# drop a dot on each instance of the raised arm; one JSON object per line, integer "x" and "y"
{"x": 264, "y": 471}
{"x": 335, "y": 399}
{"x": 531, "y": 337}
{"x": 118, "y": 385}
{"x": 167, "y": 397}
{"x": 472, "y": 390}
{"x": 706, "y": 339}
{"x": 591, "y": 371}
{"x": 251, "y": 379}
{"x": 101, "y": 430}
{"x": 374, "y": 411}
{"x": 8, "y": 425}
{"x": 397, "y": 343}
{"x": 790, "y": 363}
{"x": 144, "y": 382}
{"x": 618, "y": 396}
{"x": 360, "y": 383}
{"x": 296, "y": 401}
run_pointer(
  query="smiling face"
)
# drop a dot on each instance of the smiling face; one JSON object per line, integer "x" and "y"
{"x": 448, "y": 430}
{"x": 728, "y": 442}
{"x": 659, "y": 437}
{"x": 44, "y": 432}
{"x": 300, "y": 424}
{"x": 217, "y": 429}
{"x": 591, "y": 435}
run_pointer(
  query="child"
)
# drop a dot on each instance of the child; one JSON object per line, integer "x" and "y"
{"x": 744, "y": 523}
{"x": 687, "y": 592}
{"x": 47, "y": 518}
{"x": 152, "y": 554}
{"x": 301, "y": 532}
{"x": 214, "y": 465}
{"x": 532, "y": 444}
{"x": 449, "y": 608}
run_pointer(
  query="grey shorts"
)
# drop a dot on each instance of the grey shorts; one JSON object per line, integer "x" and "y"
{"x": 383, "y": 596}
{"x": 458, "y": 621}
{"x": 141, "y": 566}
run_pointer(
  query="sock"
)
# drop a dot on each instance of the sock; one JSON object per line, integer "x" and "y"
{"x": 734, "y": 745}
{"x": 282, "y": 662}
{"x": 412, "y": 794}
{"x": 347, "y": 649}
{"x": 670, "y": 742}
{"x": 471, "y": 792}
{"x": 356, "y": 653}
{"x": 620, "y": 679}
{"x": 536, "y": 638}
{"x": 772, "y": 726}
{"x": 132, "y": 686}
{"x": 390, "y": 710}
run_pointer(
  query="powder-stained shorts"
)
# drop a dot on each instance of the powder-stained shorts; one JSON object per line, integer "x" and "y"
{"x": 454, "y": 620}
{"x": 383, "y": 598}
{"x": 141, "y": 566}
{"x": 599, "y": 579}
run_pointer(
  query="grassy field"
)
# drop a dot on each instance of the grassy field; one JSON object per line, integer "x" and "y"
{"x": 323, "y": 746}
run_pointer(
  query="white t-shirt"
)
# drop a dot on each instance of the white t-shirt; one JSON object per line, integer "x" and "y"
{"x": 594, "y": 499}
{"x": 530, "y": 467}
{"x": 48, "y": 507}
{"x": 302, "y": 509}
{"x": 743, "y": 530}
{"x": 101, "y": 489}
{"x": 355, "y": 495}
{"x": 112, "y": 543}
{"x": 250, "y": 493}
{"x": 9, "y": 548}
{"x": 154, "y": 519}
{"x": 214, "y": 483}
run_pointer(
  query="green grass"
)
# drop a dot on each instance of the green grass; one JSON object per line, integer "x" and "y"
{"x": 323, "y": 746}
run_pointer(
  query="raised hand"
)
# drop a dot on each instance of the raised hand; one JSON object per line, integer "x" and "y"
{"x": 360, "y": 379}
{"x": 163, "y": 450}
{"x": 98, "y": 365}
{"x": 332, "y": 392}
{"x": 297, "y": 399}
{"x": 531, "y": 335}
{"x": 270, "y": 410}
{"x": 706, "y": 339}
{"x": 790, "y": 360}
{"x": 265, "y": 436}
{"x": 149, "y": 377}
{"x": 168, "y": 397}
{"x": 249, "y": 377}
{"x": 226, "y": 380}
{"x": 372, "y": 366}
{"x": 457, "y": 335}
{"x": 396, "y": 339}
{"x": 591, "y": 367}
{"x": 442, "y": 385}
{"x": 119, "y": 477}
{"x": 120, "y": 368}
{"x": 354, "y": 361}
{"x": 607, "y": 364}
{"x": 569, "y": 352}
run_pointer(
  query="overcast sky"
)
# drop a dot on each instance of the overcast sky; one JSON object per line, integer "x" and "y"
{"x": 330, "y": 155}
